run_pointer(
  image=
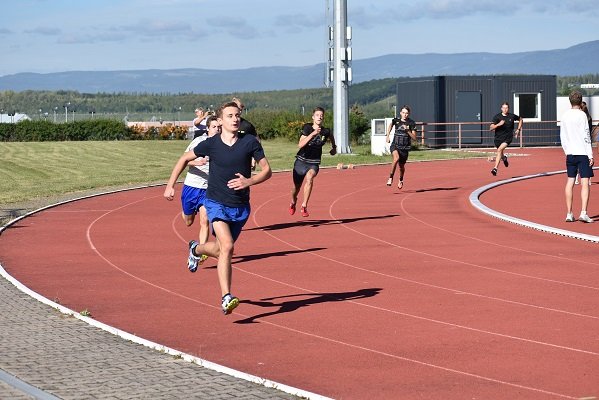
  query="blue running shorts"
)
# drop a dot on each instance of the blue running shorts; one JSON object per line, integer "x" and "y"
{"x": 192, "y": 199}
{"x": 235, "y": 217}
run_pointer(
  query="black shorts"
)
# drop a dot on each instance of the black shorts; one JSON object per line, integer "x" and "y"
{"x": 301, "y": 168}
{"x": 578, "y": 165}
{"x": 503, "y": 139}
{"x": 403, "y": 154}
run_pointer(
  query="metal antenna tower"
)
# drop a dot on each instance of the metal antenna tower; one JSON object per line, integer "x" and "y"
{"x": 340, "y": 73}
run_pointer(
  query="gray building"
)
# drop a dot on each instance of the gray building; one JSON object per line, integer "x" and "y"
{"x": 458, "y": 109}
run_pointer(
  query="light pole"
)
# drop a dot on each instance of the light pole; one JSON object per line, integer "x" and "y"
{"x": 1, "y": 114}
{"x": 179, "y": 114}
{"x": 66, "y": 112}
{"x": 73, "y": 110}
{"x": 55, "y": 109}
{"x": 342, "y": 75}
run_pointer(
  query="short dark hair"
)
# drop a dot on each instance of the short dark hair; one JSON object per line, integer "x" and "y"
{"x": 505, "y": 103}
{"x": 317, "y": 109}
{"x": 575, "y": 98}
{"x": 219, "y": 112}
{"x": 407, "y": 107}
{"x": 210, "y": 119}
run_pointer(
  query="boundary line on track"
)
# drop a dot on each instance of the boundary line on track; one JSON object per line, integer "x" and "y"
{"x": 136, "y": 339}
{"x": 476, "y": 203}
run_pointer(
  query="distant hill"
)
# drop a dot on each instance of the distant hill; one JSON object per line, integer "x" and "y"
{"x": 576, "y": 60}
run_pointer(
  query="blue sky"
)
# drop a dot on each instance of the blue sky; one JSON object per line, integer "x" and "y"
{"x": 83, "y": 35}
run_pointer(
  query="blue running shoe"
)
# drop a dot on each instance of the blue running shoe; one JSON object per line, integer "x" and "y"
{"x": 193, "y": 261}
{"x": 229, "y": 303}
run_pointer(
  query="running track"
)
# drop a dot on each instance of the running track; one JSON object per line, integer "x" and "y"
{"x": 380, "y": 293}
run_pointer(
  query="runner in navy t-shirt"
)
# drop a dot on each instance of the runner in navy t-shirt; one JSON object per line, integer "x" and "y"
{"x": 228, "y": 195}
{"x": 307, "y": 159}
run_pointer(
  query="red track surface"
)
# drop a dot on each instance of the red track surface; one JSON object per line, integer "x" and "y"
{"x": 380, "y": 293}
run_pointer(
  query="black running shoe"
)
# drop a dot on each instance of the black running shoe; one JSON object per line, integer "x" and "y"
{"x": 494, "y": 171}
{"x": 505, "y": 161}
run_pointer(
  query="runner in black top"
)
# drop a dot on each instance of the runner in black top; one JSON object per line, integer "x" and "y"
{"x": 405, "y": 131}
{"x": 503, "y": 125}
{"x": 246, "y": 126}
{"x": 307, "y": 159}
{"x": 227, "y": 199}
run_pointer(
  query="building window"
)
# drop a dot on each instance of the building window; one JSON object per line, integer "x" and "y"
{"x": 379, "y": 127}
{"x": 528, "y": 106}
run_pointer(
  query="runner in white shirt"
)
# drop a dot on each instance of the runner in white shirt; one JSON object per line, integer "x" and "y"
{"x": 576, "y": 142}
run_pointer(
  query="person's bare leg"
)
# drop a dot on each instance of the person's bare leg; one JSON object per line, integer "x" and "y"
{"x": 395, "y": 155}
{"x": 204, "y": 226}
{"x": 569, "y": 194}
{"x": 402, "y": 171}
{"x": 188, "y": 219}
{"x": 308, "y": 185}
{"x": 585, "y": 193}
{"x": 226, "y": 246}
{"x": 499, "y": 156}
{"x": 294, "y": 191}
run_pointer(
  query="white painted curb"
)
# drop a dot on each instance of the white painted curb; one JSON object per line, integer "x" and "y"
{"x": 136, "y": 339}
{"x": 476, "y": 203}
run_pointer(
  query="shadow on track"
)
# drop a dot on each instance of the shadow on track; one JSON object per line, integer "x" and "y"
{"x": 307, "y": 299}
{"x": 318, "y": 222}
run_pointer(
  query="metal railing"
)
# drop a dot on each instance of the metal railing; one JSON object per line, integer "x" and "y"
{"x": 477, "y": 134}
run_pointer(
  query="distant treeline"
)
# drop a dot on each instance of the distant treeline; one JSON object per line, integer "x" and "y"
{"x": 182, "y": 105}
{"x": 375, "y": 98}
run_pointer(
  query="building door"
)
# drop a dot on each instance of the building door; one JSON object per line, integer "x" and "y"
{"x": 468, "y": 108}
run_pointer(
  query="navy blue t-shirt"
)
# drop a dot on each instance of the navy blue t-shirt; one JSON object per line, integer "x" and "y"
{"x": 225, "y": 162}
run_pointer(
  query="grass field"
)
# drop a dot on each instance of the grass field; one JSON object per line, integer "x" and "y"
{"x": 38, "y": 170}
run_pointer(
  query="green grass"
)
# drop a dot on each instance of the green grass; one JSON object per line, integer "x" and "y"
{"x": 38, "y": 170}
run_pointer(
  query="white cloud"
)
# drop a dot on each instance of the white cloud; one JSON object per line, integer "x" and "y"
{"x": 44, "y": 30}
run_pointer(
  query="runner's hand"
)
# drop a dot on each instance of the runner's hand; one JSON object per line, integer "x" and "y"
{"x": 169, "y": 193}
{"x": 241, "y": 182}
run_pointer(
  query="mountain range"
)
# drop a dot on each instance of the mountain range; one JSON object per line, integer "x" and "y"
{"x": 576, "y": 60}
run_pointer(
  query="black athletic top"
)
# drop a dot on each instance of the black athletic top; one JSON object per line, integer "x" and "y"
{"x": 312, "y": 151}
{"x": 225, "y": 162}
{"x": 246, "y": 126}
{"x": 507, "y": 129}
{"x": 402, "y": 139}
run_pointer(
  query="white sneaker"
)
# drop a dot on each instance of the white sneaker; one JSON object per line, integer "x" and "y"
{"x": 570, "y": 217}
{"x": 585, "y": 218}
{"x": 229, "y": 303}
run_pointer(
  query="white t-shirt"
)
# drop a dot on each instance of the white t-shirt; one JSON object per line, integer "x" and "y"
{"x": 197, "y": 177}
{"x": 574, "y": 133}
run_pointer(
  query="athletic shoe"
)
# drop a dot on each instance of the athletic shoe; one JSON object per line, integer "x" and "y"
{"x": 505, "y": 161}
{"x": 305, "y": 212}
{"x": 389, "y": 181}
{"x": 570, "y": 217}
{"x": 292, "y": 209}
{"x": 585, "y": 218}
{"x": 193, "y": 261}
{"x": 400, "y": 184}
{"x": 494, "y": 171}
{"x": 229, "y": 303}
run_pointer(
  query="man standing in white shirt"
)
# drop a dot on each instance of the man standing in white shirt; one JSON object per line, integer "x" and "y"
{"x": 576, "y": 142}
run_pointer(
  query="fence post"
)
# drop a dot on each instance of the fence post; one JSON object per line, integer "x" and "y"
{"x": 459, "y": 136}
{"x": 521, "y": 139}
{"x": 422, "y": 138}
